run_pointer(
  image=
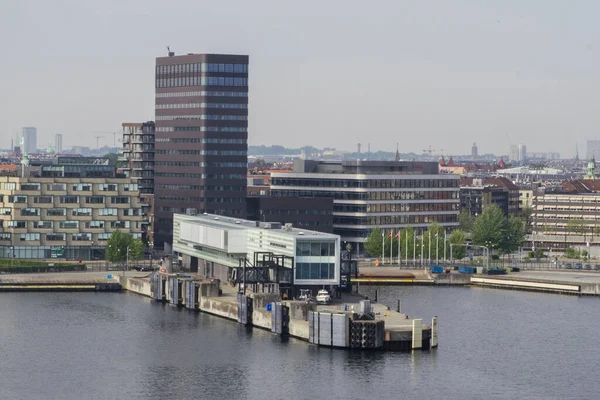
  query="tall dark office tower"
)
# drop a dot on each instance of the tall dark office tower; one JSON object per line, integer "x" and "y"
{"x": 201, "y": 137}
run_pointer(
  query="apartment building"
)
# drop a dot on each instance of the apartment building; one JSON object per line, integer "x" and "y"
{"x": 45, "y": 217}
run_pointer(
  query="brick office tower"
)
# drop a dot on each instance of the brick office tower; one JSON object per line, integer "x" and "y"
{"x": 201, "y": 137}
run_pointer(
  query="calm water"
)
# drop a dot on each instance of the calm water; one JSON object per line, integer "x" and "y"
{"x": 493, "y": 344}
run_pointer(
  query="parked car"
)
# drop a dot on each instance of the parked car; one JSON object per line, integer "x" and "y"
{"x": 323, "y": 297}
{"x": 569, "y": 266}
{"x": 587, "y": 266}
{"x": 578, "y": 266}
{"x": 597, "y": 267}
{"x": 143, "y": 268}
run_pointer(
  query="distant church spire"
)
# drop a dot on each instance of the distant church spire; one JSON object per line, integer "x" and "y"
{"x": 576, "y": 152}
{"x": 397, "y": 152}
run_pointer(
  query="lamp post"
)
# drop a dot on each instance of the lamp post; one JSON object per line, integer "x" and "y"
{"x": 127, "y": 264}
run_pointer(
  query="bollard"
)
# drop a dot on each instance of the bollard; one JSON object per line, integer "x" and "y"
{"x": 376, "y": 292}
{"x": 398, "y": 305}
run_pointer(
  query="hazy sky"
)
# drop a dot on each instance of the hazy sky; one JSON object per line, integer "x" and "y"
{"x": 324, "y": 73}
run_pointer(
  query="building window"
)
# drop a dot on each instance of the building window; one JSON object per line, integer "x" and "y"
{"x": 120, "y": 200}
{"x": 18, "y": 199}
{"x": 94, "y": 199}
{"x": 43, "y": 199}
{"x": 107, "y": 187}
{"x": 30, "y": 186}
{"x": 5, "y": 211}
{"x": 120, "y": 224}
{"x": 130, "y": 187}
{"x": 69, "y": 225}
{"x": 25, "y": 237}
{"x": 4, "y": 236}
{"x": 82, "y": 187}
{"x": 315, "y": 271}
{"x": 85, "y": 237}
{"x": 56, "y": 237}
{"x": 108, "y": 212}
{"x": 42, "y": 224}
{"x": 56, "y": 187}
{"x": 56, "y": 212}
{"x": 30, "y": 212}
{"x": 81, "y": 212}
{"x": 17, "y": 224}
{"x": 94, "y": 224}
{"x": 69, "y": 199}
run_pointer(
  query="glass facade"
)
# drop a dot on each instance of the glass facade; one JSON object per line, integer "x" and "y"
{"x": 315, "y": 259}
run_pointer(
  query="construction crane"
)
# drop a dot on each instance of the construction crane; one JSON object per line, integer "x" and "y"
{"x": 431, "y": 151}
{"x": 112, "y": 133}
{"x": 97, "y": 141}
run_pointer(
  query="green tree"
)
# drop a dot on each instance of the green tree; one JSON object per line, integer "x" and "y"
{"x": 515, "y": 233}
{"x": 577, "y": 226}
{"x": 435, "y": 233}
{"x": 119, "y": 242}
{"x": 489, "y": 228}
{"x": 457, "y": 237}
{"x": 136, "y": 250}
{"x": 525, "y": 215}
{"x": 465, "y": 220}
{"x": 374, "y": 243}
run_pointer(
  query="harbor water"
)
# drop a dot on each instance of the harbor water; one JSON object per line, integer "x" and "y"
{"x": 492, "y": 344}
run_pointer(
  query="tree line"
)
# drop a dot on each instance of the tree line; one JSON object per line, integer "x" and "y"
{"x": 493, "y": 229}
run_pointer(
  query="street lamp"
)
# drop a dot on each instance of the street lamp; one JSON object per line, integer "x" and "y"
{"x": 127, "y": 264}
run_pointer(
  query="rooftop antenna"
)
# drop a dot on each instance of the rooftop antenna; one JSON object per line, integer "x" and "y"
{"x": 171, "y": 53}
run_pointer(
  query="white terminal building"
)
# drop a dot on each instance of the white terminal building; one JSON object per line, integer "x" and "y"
{"x": 218, "y": 247}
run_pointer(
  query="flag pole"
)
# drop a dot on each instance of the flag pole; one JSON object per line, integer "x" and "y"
{"x": 399, "y": 257}
{"x": 414, "y": 246}
{"x": 429, "y": 258}
{"x": 406, "y": 247}
{"x": 422, "y": 235}
{"x": 391, "y": 246}
{"x": 444, "y": 247}
{"x": 437, "y": 247}
{"x": 382, "y": 247}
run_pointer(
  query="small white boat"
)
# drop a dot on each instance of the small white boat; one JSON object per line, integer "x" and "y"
{"x": 323, "y": 297}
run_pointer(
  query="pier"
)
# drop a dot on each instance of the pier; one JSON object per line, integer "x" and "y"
{"x": 349, "y": 322}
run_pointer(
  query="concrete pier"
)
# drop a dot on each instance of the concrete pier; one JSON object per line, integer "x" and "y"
{"x": 397, "y": 331}
{"x": 563, "y": 282}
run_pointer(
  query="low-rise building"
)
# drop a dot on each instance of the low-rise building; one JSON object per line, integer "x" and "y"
{"x": 221, "y": 247}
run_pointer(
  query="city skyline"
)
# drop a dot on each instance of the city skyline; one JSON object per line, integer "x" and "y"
{"x": 415, "y": 73}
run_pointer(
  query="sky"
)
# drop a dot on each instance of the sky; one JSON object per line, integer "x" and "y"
{"x": 329, "y": 73}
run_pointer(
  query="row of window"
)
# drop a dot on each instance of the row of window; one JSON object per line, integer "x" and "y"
{"x": 235, "y": 106}
{"x": 21, "y": 199}
{"x": 55, "y": 237}
{"x": 70, "y": 224}
{"x": 76, "y": 212}
{"x": 201, "y": 187}
{"x": 86, "y": 187}
{"x": 229, "y": 129}
{"x": 202, "y": 93}
{"x": 367, "y": 184}
{"x": 205, "y": 152}
{"x": 315, "y": 271}
{"x": 201, "y": 81}
{"x": 202, "y": 67}
{"x": 201, "y": 164}
{"x": 396, "y": 220}
{"x": 412, "y": 207}
{"x": 202, "y": 140}
{"x": 315, "y": 249}
{"x": 366, "y": 196}
{"x": 212, "y": 117}
{"x": 201, "y": 176}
